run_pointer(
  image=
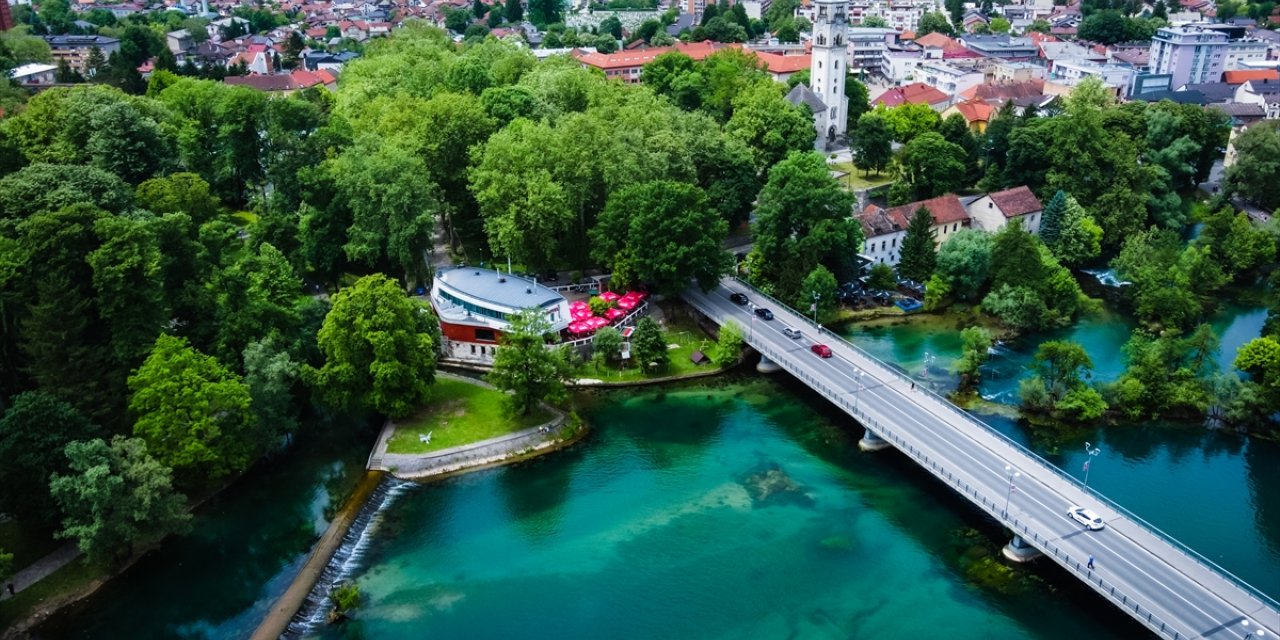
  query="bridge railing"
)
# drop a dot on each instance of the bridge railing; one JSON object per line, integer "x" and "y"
{"x": 991, "y": 505}
{"x": 1045, "y": 465}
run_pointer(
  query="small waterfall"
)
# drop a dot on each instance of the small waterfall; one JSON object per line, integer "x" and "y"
{"x": 346, "y": 559}
{"x": 1107, "y": 277}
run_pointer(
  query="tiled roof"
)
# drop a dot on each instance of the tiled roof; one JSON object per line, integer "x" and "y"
{"x": 1003, "y": 91}
{"x": 1017, "y": 201}
{"x": 802, "y": 94}
{"x": 975, "y": 110}
{"x": 914, "y": 93}
{"x": 778, "y": 63}
{"x": 945, "y": 209}
{"x": 640, "y": 57}
{"x": 878, "y": 222}
{"x": 935, "y": 39}
{"x": 1241, "y": 77}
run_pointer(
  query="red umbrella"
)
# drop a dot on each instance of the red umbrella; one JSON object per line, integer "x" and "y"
{"x": 626, "y": 303}
{"x": 609, "y": 296}
{"x": 614, "y": 314}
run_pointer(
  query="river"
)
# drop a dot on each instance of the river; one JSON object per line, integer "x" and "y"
{"x": 658, "y": 524}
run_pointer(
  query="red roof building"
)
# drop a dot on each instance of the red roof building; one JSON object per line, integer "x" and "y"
{"x": 1241, "y": 77}
{"x": 914, "y": 93}
{"x": 627, "y": 65}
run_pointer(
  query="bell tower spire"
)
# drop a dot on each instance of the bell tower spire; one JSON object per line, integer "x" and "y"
{"x": 827, "y": 68}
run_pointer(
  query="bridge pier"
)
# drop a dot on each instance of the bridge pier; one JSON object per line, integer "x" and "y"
{"x": 1019, "y": 551}
{"x": 872, "y": 442}
{"x": 767, "y": 366}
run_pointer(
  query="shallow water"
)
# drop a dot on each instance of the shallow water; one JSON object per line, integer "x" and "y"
{"x": 651, "y": 529}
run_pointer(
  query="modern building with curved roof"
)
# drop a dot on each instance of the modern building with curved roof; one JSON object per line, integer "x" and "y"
{"x": 474, "y": 306}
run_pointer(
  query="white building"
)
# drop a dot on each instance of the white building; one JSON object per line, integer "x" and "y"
{"x": 1240, "y": 53}
{"x": 867, "y": 46}
{"x": 1071, "y": 72}
{"x": 993, "y": 211}
{"x": 948, "y": 79}
{"x": 1191, "y": 54}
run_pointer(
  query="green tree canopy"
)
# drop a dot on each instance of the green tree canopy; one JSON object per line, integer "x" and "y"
{"x": 918, "y": 257}
{"x": 116, "y": 496}
{"x": 379, "y": 350}
{"x": 929, "y": 167}
{"x": 649, "y": 346}
{"x": 525, "y": 367}
{"x": 770, "y": 125}
{"x": 1258, "y": 163}
{"x": 192, "y": 412}
{"x": 873, "y": 143}
{"x": 964, "y": 262}
{"x": 665, "y": 233}
{"x": 33, "y": 432}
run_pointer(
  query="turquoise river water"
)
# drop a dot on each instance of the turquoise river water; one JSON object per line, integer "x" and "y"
{"x": 736, "y": 509}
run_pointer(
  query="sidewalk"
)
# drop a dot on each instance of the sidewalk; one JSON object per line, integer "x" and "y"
{"x": 40, "y": 569}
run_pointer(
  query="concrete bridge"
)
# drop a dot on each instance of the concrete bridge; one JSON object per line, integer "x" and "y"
{"x": 1169, "y": 588}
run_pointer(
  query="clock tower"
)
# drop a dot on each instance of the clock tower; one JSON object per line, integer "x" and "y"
{"x": 827, "y": 69}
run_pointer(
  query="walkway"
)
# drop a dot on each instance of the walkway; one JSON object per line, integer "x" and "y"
{"x": 415, "y": 466}
{"x": 40, "y": 569}
{"x": 1164, "y": 585}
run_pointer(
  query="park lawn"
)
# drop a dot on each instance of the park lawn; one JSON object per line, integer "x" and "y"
{"x": 27, "y": 544}
{"x": 461, "y": 413}
{"x": 856, "y": 180}
{"x": 689, "y": 338}
{"x": 74, "y": 576}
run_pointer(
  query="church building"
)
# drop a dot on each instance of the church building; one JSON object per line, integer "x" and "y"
{"x": 825, "y": 95}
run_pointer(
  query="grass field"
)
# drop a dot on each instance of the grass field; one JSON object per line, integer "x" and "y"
{"x": 685, "y": 335}
{"x": 856, "y": 180}
{"x": 460, "y": 413}
{"x": 76, "y": 575}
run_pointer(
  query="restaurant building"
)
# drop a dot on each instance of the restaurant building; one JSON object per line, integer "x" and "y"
{"x": 474, "y": 305}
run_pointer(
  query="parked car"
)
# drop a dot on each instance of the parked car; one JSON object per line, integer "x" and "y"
{"x": 822, "y": 350}
{"x": 1089, "y": 519}
{"x": 764, "y": 313}
{"x": 738, "y": 298}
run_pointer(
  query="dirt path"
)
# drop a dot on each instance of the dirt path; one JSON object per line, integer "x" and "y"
{"x": 277, "y": 620}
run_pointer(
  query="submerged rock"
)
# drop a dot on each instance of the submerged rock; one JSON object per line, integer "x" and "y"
{"x": 773, "y": 486}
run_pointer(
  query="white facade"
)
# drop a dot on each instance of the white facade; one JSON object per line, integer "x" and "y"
{"x": 948, "y": 79}
{"x": 1071, "y": 72}
{"x": 986, "y": 216}
{"x": 828, "y": 66}
{"x": 1191, "y": 54}
{"x": 1242, "y": 52}
{"x": 885, "y": 248}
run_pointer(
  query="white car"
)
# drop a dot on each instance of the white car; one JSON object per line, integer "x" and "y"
{"x": 1089, "y": 519}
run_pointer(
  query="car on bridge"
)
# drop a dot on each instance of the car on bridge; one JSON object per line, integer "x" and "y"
{"x": 1089, "y": 519}
{"x": 822, "y": 350}
{"x": 764, "y": 313}
{"x": 738, "y": 298}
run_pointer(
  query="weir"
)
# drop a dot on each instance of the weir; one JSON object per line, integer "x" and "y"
{"x": 1164, "y": 585}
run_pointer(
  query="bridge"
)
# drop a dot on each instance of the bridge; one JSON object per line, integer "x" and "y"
{"x": 1161, "y": 583}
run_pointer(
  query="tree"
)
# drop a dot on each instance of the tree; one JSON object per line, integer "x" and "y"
{"x": 873, "y": 143}
{"x": 818, "y": 292}
{"x": 379, "y": 350}
{"x": 930, "y": 166}
{"x": 606, "y": 345}
{"x": 964, "y": 262}
{"x": 514, "y": 11}
{"x": 803, "y": 220}
{"x": 48, "y": 187}
{"x": 859, "y": 100}
{"x": 934, "y": 22}
{"x": 525, "y": 367}
{"x": 770, "y": 125}
{"x": 1104, "y": 27}
{"x": 1000, "y": 25}
{"x": 665, "y": 233}
{"x": 192, "y": 412}
{"x": 909, "y": 120}
{"x": 1051, "y": 219}
{"x": 544, "y": 12}
{"x": 976, "y": 350}
{"x": 1080, "y": 238}
{"x": 649, "y": 346}
{"x": 728, "y": 347}
{"x": 116, "y": 496}
{"x": 456, "y": 20}
{"x": 270, "y": 373}
{"x": 1016, "y": 258}
{"x": 875, "y": 21}
{"x": 882, "y": 278}
{"x": 179, "y": 193}
{"x": 1161, "y": 11}
{"x": 33, "y": 432}
{"x": 612, "y": 26}
{"x": 955, "y": 8}
{"x": 1040, "y": 25}
{"x": 1258, "y": 163}
{"x": 918, "y": 256}
{"x": 605, "y": 43}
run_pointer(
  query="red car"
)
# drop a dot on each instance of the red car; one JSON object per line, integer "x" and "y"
{"x": 822, "y": 350}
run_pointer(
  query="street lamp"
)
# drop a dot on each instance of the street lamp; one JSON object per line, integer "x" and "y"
{"x": 857, "y": 393}
{"x": 1009, "y": 494}
{"x": 1092, "y": 451}
{"x": 814, "y": 307}
{"x": 1260, "y": 633}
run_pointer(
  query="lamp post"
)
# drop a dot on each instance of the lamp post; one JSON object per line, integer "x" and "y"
{"x": 1248, "y": 633}
{"x": 1009, "y": 494}
{"x": 857, "y": 393}
{"x": 814, "y": 307}
{"x": 1092, "y": 451}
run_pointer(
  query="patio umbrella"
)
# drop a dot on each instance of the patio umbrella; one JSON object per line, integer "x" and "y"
{"x": 609, "y": 296}
{"x": 626, "y": 303}
{"x": 614, "y": 314}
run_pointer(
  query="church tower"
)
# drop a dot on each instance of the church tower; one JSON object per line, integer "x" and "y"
{"x": 827, "y": 67}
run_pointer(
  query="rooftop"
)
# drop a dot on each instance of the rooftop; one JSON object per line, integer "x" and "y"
{"x": 1241, "y": 77}
{"x": 499, "y": 289}
{"x": 1016, "y": 202}
{"x": 914, "y": 93}
{"x": 945, "y": 209}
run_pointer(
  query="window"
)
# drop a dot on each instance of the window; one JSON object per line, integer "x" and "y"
{"x": 486, "y": 335}
{"x": 473, "y": 349}
{"x": 475, "y": 309}
{"x": 837, "y": 61}
{"x": 895, "y": 243}
{"x": 819, "y": 64}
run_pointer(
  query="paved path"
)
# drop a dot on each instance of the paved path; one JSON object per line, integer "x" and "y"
{"x": 40, "y": 569}
{"x": 1165, "y": 586}
{"x": 422, "y": 465}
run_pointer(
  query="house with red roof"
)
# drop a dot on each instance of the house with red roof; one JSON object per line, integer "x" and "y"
{"x": 914, "y": 93}
{"x": 885, "y": 228}
{"x": 286, "y": 83}
{"x": 993, "y": 211}
{"x": 781, "y": 67}
{"x": 627, "y": 65}
{"x": 976, "y": 113}
{"x": 1236, "y": 78}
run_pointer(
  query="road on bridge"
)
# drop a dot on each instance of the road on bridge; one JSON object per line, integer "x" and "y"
{"x": 1168, "y": 589}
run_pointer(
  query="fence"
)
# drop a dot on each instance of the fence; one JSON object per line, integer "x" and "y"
{"x": 1043, "y": 464}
